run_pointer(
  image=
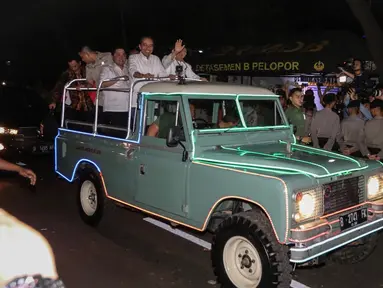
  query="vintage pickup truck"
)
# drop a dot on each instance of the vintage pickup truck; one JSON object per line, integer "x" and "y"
{"x": 237, "y": 173}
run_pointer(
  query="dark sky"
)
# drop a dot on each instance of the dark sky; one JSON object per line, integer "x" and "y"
{"x": 46, "y": 31}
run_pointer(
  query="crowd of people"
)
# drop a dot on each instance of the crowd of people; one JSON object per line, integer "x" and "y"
{"x": 113, "y": 103}
{"x": 349, "y": 122}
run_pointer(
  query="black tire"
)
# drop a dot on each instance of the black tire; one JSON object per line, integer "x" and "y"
{"x": 357, "y": 252}
{"x": 101, "y": 200}
{"x": 254, "y": 227}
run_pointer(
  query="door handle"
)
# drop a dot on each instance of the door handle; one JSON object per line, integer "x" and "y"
{"x": 130, "y": 153}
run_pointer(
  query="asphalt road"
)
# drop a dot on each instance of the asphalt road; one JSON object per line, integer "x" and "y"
{"x": 126, "y": 251}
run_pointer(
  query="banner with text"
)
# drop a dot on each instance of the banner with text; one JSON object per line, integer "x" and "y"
{"x": 276, "y": 66}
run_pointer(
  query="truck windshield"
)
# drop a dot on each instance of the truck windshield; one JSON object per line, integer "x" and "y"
{"x": 247, "y": 113}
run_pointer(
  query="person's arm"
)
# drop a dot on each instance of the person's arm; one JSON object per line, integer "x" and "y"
{"x": 168, "y": 60}
{"x": 335, "y": 135}
{"x": 7, "y": 166}
{"x": 314, "y": 132}
{"x": 160, "y": 68}
{"x": 57, "y": 91}
{"x": 133, "y": 67}
{"x": 106, "y": 74}
{"x": 366, "y": 113}
{"x": 362, "y": 142}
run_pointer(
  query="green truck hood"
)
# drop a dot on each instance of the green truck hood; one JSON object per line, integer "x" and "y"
{"x": 274, "y": 157}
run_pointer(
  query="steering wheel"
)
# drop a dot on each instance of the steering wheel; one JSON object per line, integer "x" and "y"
{"x": 202, "y": 125}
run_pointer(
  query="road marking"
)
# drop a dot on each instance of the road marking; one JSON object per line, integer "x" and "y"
{"x": 296, "y": 284}
{"x": 200, "y": 242}
{"x": 180, "y": 233}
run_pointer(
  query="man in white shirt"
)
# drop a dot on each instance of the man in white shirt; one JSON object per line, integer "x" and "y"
{"x": 116, "y": 103}
{"x": 145, "y": 65}
{"x": 176, "y": 58}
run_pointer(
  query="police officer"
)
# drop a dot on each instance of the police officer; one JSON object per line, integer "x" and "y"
{"x": 371, "y": 138}
{"x": 351, "y": 128}
{"x": 325, "y": 127}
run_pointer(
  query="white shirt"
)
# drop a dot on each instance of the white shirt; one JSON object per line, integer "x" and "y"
{"x": 144, "y": 65}
{"x": 170, "y": 66}
{"x": 115, "y": 101}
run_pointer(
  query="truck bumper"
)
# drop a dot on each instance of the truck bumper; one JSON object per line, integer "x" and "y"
{"x": 325, "y": 236}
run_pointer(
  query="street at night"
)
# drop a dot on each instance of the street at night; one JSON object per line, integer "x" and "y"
{"x": 126, "y": 251}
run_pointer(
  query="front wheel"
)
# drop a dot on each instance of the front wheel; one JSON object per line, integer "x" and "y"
{"x": 246, "y": 254}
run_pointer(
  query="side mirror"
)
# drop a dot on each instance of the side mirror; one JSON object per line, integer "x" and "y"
{"x": 173, "y": 140}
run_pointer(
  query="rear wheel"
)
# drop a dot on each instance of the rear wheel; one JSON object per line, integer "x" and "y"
{"x": 356, "y": 251}
{"x": 91, "y": 198}
{"x": 246, "y": 254}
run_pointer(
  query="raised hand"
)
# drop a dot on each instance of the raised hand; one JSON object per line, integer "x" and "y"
{"x": 178, "y": 47}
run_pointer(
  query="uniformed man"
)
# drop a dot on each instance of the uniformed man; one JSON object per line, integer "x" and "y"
{"x": 325, "y": 127}
{"x": 351, "y": 128}
{"x": 295, "y": 114}
{"x": 95, "y": 61}
{"x": 371, "y": 138}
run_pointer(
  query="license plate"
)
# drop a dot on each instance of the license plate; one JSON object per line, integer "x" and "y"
{"x": 42, "y": 148}
{"x": 353, "y": 218}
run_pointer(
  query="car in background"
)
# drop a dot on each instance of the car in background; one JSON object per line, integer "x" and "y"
{"x": 22, "y": 111}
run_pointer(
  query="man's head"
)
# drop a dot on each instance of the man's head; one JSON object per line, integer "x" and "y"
{"x": 146, "y": 46}
{"x": 181, "y": 55}
{"x": 119, "y": 56}
{"x": 376, "y": 107}
{"x": 357, "y": 65}
{"x": 353, "y": 107}
{"x": 229, "y": 120}
{"x": 309, "y": 93}
{"x": 192, "y": 110}
{"x": 296, "y": 97}
{"x": 87, "y": 55}
{"x": 329, "y": 100}
{"x": 133, "y": 52}
{"x": 74, "y": 64}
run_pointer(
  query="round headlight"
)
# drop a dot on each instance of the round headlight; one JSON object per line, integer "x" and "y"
{"x": 306, "y": 205}
{"x": 373, "y": 187}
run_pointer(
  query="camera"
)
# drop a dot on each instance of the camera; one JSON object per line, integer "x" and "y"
{"x": 179, "y": 70}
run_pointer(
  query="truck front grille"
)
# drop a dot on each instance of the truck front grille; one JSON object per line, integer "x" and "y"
{"x": 343, "y": 194}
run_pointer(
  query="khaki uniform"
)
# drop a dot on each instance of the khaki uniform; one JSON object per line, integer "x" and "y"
{"x": 371, "y": 138}
{"x": 351, "y": 128}
{"x": 325, "y": 129}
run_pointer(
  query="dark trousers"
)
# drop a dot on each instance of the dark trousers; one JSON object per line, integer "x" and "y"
{"x": 322, "y": 141}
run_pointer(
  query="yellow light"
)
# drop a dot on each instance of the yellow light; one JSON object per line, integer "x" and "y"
{"x": 373, "y": 187}
{"x": 2, "y": 130}
{"x": 13, "y": 131}
{"x": 306, "y": 205}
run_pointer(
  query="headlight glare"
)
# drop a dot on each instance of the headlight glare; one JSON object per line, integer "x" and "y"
{"x": 375, "y": 187}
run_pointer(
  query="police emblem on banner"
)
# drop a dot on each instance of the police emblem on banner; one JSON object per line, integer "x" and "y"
{"x": 319, "y": 66}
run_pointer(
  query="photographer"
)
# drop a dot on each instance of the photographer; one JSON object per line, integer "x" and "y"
{"x": 352, "y": 95}
{"x": 360, "y": 79}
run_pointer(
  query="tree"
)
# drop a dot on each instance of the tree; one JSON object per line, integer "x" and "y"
{"x": 374, "y": 35}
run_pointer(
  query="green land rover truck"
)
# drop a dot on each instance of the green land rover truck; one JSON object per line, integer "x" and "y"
{"x": 237, "y": 173}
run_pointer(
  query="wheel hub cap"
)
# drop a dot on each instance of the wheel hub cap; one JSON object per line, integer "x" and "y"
{"x": 242, "y": 262}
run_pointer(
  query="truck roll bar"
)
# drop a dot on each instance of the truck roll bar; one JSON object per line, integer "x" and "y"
{"x": 100, "y": 88}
